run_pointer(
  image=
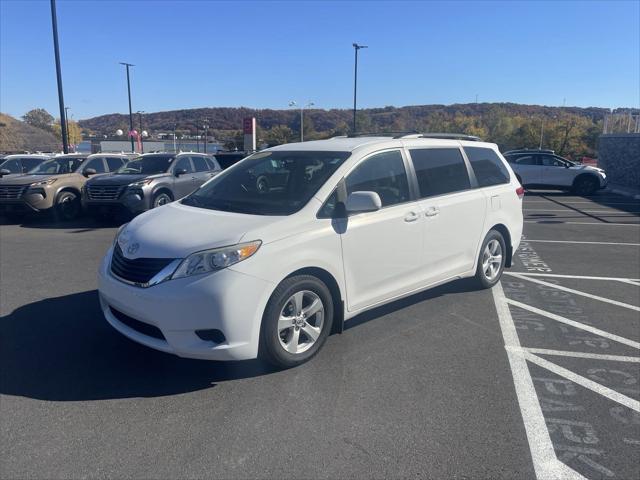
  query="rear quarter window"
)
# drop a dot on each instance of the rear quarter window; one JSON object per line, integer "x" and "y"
{"x": 439, "y": 171}
{"x": 487, "y": 166}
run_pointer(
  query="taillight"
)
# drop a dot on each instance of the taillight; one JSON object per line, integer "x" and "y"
{"x": 520, "y": 191}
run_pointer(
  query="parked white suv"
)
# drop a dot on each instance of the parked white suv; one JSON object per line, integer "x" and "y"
{"x": 543, "y": 168}
{"x": 237, "y": 270}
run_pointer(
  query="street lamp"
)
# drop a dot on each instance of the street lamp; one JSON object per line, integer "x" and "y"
{"x": 66, "y": 119}
{"x": 56, "y": 52}
{"x": 140, "y": 112}
{"x": 356, "y": 47}
{"x": 127, "y": 65}
{"x": 293, "y": 103}
{"x": 205, "y": 127}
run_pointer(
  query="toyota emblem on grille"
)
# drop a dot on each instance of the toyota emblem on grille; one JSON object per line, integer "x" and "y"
{"x": 133, "y": 248}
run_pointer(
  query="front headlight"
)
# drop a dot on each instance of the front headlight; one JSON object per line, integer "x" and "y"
{"x": 216, "y": 259}
{"x": 42, "y": 183}
{"x": 120, "y": 230}
{"x": 141, "y": 183}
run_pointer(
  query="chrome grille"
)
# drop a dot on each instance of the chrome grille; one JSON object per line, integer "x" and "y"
{"x": 139, "y": 270}
{"x": 12, "y": 192}
{"x": 104, "y": 192}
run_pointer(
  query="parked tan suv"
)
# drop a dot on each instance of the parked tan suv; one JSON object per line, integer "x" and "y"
{"x": 55, "y": 185}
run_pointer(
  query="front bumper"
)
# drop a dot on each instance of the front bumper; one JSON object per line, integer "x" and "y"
{"x": 33, "y": 200}
{"x": 228, "y": 301}
{"x": 129, "y": 202}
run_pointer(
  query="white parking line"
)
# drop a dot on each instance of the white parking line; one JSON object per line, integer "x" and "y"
{"x": 545, "y": 462}
{"x": 573, "y": 323}
{"x": 593, "y": 356}
{"x": 577, "y": 292}
{"x": 582, "y": 381}
{"x": 568, "y": 210}
{"x": 587, "y": 243}
{"x": 582, "y": 277}
{"x": 595, "y": 204}
{"x": 600, "y": 224}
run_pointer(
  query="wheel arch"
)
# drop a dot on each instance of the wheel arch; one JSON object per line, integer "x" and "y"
{"x": 336, "y": 294}
{"x": 162, "y": 189}
{"x": 504, "y": 231}
{"x": 68, "y": 188}
{"x": 585, "y": 175}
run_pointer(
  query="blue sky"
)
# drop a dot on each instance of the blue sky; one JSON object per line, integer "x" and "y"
{"x": 192, "y": 54}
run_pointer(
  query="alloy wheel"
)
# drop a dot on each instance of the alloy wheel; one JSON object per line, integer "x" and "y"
{"x": 300, "y": 321}
{"x": 492, "y": 260}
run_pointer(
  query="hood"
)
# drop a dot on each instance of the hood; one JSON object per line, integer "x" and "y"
{"x": 176, "y": 230}
{"x": 122, "y": 179}
{"x": 588, "y": 168}
{"x": 22, "y": 179}
{"x": 10, "y": 175}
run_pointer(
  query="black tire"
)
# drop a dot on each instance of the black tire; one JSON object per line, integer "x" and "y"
{"x": 161, "y": 198}
{"x": 585, "y": 185}
{"x": 483, "y": 279}
{"x": 272, "y": 338}
{"x": 67, "y": 206}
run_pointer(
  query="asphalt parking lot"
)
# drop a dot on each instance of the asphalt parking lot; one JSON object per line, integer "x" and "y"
{"x": 538, "y": 377}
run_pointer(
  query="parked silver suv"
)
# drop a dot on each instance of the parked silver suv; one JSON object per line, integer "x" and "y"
{"x": 148, "y": 181}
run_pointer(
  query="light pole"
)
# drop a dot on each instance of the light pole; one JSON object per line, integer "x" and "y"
{"x": 66, "y": 119}
{"x": 205, "y": 127}
{"x": 356, "y": 47}
{"x": 56, "y": 51}
{"x": 127, "y": 65}
{"x": 140, "y": 112}
{"x": 541, "y": 134}
{"x": 293, "y": 103}
{"x": 175, "y": 125}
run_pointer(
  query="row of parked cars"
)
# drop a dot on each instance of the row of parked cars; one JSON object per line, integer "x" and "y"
{"x": 102, "y": 184}
{"x": 109, "y": 184}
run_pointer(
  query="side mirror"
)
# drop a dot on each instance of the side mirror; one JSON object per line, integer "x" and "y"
{"x": 4, "y": 171}
{"x": 179, "y": 171}
{"x": 89, "y": 171}
{"x": 359, "y": 202}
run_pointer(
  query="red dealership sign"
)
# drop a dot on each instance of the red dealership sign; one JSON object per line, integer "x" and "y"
{"x": 247, "y": 126}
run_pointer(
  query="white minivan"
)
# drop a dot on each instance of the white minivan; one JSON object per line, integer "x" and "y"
{"x": 268, "y": 257}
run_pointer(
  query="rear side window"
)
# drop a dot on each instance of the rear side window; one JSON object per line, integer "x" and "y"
{"x": 12, "y": 165}
{"x": 440, "y": 171}
{"x": 213, "y": 165}
{"x": 487, "y": 166}
{"x": 114, "y": 163}
{"x": 384, "y": 174}
{"x": 200, "y": 164}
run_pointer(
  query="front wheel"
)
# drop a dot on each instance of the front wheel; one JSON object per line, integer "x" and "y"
{"x": 586, "y": 185}
{"x": 161, "y": 198}
{"x": 491, "y": 260}
{"x": 296, "y": 322}
{"x": 67, "y": 206}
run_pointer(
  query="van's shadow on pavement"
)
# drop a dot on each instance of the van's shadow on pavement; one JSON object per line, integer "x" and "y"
{"x": 62, "y": 349}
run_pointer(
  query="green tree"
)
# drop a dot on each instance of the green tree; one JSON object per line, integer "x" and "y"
{"x": 278, "y": 135}
{"x": 39, "y": 118}
{"x": 73, "y": 129}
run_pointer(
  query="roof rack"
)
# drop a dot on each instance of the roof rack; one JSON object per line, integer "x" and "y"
{"x": 451, "y": 136}
{"x": 398, "y": 134}
{"x": 414, "y": 134}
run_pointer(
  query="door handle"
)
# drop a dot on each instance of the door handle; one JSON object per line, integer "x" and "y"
{"x": 411, "y": 217}
{"x": 432, "y": 211}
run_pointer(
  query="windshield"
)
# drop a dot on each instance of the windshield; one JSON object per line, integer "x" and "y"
{"x": 58, "y": 166}
{"x": 268, "y": 183}
{"x": 146, "y": 165}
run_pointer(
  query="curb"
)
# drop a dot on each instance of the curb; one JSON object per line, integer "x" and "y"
{"x": 625, "y": 192}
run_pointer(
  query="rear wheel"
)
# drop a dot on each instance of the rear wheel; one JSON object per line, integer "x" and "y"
{"x": 491, "y": 260}
{"x": 586, "y": 185}
{"x": 296, "y": 322}
{"x": 67, "y": 206}
{"x": 161, "y": 198}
